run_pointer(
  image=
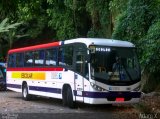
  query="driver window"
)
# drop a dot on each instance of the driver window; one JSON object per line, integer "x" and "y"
{"x": 79, "y": 62}
{"x": 81, "y": 65}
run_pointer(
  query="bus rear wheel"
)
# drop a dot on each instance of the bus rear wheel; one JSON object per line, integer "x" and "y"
{"x": 25, "y": 93}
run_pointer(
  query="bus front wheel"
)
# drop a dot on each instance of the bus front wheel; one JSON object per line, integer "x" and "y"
{"x": 68, "y": 97}
{"x": 25, "y": 93}
{"x": 70, "y": 101}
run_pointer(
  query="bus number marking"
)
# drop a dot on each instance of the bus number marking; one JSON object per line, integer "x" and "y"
{"x": 79, "y": 92}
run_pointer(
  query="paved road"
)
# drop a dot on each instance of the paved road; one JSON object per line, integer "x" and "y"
{"x": 12, "y": 106}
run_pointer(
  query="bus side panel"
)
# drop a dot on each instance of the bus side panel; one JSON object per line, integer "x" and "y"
{"x": 52, "y": 85}
{"x": 13, "y": 84}
{"x": 45, "y": 87}
{"x": 65, "y": 77}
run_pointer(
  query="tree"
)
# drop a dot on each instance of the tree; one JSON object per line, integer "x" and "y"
{"x": 69, "y": 18}
{"x": 6, "y": 27}
{"x": 101, "y": 18}
{"x": 139, "y": 23}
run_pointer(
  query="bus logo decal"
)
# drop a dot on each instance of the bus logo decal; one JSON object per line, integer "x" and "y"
{"x": 60, "y": 75}
{"x": 55, "y": 75}
{"x": 26, "y": 75}
{"x": 29, "y": 75}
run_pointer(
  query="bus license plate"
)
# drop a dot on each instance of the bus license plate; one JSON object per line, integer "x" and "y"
{"x": 119, "y": 99}
{"x": 114, "y": 88}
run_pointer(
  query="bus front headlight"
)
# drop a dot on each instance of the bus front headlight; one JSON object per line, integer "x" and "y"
{"x": 137, "y": 88}
{"x": 97, "y": 87}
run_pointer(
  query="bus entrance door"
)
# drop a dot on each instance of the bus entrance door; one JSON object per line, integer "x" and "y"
{"x": 79, "y": 79}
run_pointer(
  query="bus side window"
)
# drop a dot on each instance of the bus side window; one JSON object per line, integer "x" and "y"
{"x": 12, "y": 60}
{"x": 80, "y": 62}
{"x": 39, "y": 58}
{"x": 68, "y": 55}
{"x": 60, "y": 56}
{"x": 51, "y": 57}
{"x": 28, "y": 59}
{"x": 9, "y": 61}
{"x": 19, "y": 60}
{"x": 65, "y": 56}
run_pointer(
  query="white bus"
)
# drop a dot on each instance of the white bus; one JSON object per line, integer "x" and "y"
{"x": 88, "y": 70}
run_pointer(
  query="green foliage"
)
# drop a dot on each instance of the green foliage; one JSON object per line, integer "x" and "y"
{"x": 140, "y": 24}
{"x": 153, "y": 83}
{"x": 8, "y": 8}
{"x": 33, "y": 14}
{"x": 137, "y": 24}
{"x": 69, "y": 18}
{"x": 101, "y": 18}
{"x": 5, "y": 26}
{"x": 151, "y": 48}
{"x": 134, "y": 23}
{"x": 120, "y": 28}
{"x": 61, "y": 19}
{"x": 117, "y": 7}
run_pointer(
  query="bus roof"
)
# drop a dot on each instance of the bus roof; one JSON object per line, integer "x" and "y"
{"x": 101, "y": 41}
{"x": 34, "y": 47}
{"x": 87, "y": 41}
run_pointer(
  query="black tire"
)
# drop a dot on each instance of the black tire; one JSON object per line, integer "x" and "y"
{"x": 64, "y": 98}
{"x": 25, "y": 93}
{"x": 69, "y": 98}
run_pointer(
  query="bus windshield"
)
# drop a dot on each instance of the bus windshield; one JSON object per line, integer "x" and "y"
{"x": 114, "y": 65}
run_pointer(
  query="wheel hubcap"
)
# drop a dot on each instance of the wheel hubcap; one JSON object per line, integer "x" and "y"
{"x": 25, "y": 92}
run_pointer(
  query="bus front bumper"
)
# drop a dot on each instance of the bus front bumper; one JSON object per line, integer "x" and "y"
{"x": 111, "y": 97}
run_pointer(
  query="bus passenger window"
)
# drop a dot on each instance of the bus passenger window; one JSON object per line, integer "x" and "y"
{"x": 61, "y": 57}
{"x": 51, "y": 57}
{"x": 28, "y": 59}
{"x": 36, "y": 58}
{"x": 19, "y": 60}
{"x": 65, "y": 56}
{"x": 39, "y": 58}
{"x": 12, "y": 60}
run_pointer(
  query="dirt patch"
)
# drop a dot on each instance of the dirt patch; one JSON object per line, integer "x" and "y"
{"x": 148, "y": 108}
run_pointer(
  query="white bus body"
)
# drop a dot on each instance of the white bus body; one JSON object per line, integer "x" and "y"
{"x": 69, "y": 74}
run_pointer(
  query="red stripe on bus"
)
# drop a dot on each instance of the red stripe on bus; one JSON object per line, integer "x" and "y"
{"x": 36, "y": 69}
{"x": 34, "y": 47}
